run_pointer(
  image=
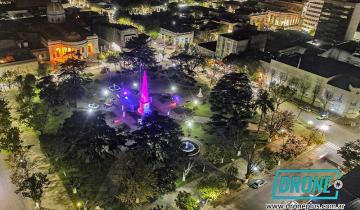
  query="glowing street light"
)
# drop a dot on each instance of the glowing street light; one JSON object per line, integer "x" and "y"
{"x": 310, "y": 122}
{"x": 105, "y": 92}
{"x": 196, "y": 102}
{"x": 79, "y": 205}
{"x": 135, "y": 84}
{"x": 173, "y": 88}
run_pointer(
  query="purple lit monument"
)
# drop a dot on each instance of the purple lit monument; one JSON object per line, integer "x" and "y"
{"x": 144, "y": 101}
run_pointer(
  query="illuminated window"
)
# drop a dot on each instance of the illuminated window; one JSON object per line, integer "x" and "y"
{"x": 57, "y": 52}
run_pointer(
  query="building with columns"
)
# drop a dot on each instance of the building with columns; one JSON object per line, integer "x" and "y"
{"x": 64, "y": 39}
{"x": 271, "y": 20}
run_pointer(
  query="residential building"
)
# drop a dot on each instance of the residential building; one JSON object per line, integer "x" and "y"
{"x": 240, "y": 41}
{"x": 207, "y": 49}
{"x": 114, "y": 36}
{"x": 338, "y": 82}
{"x": 176, "y": 34}
{"x": 338, "y": 21}
{"x": 271, "y": 20}
{"x": 311, "y": 15}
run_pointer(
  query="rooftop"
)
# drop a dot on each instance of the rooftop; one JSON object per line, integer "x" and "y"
{"x": 341, "y": 74}
{"x": 208, "y": 45}
{"x": 177, "y": 28}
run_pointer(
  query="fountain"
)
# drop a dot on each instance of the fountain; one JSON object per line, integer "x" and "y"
{"x": 189, "y": 147}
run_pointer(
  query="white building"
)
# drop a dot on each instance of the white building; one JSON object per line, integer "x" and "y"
{"x": 178, "y": 35}
{"x": 311, "y": 14}
{"x": 339, "y": 80}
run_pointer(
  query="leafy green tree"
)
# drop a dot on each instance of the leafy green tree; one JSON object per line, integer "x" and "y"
{"x": 10, "y": 140}
{"x": 5, "y": 116}
{"x": 350, "y": 152}
{"x": 89, "y": 138}
{"x": 315, "y": 137}
{"x": 264, "y": 102}
{"x": 270, "y": 158}
{"x": 184, "y": 201}
{"x": 316, "y": 92}
{"x": 33, "y": 187}
{"x": 26, "y": 88}
{"x": 50, "y": 92}
{"x": 232, "y": 106}
{"x": 35, "y": 115}
{"x": 158, "y": 140}
{"x": 281, "y": 94}
{"x": 211, "y": 187}
{"x": 8, "y": 77}
{"x": 142, "y": 53}
{"x": 188, "y": 62}
{"x": 231, "y": 176}
{"x": 136, "y": 183}
{"x": 72, "y": 79}
{"x": 303, "y": 87}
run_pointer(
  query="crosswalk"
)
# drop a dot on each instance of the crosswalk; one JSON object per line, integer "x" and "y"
{"x": 332, "y": 146}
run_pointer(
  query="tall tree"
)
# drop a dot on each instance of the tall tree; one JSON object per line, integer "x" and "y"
{"x": 350, "y": 152}
{"x": 89, "y": 138}
{"x": 184, "y": 201}
{"x": 5, "y": 116}
{"x": 189, "y": 62}
{"x": 33, "y": 187}
{"x": 232, "y": 106}
{"x": 158, "y": 140}
{"x": 293, "y": 146}
{"x": 251, "y": 157}
{"x": 281, "y": 120}
{"x": 10, "y": 140}
{"x": 316, "y": 92}
{"x": 136, "y": 183}
{"x": 303, "y": 87}
{"x": 264, "y": 102}
{"x": 141, "y": 52}
{"x": 26, "y": 88}
{"x": 50, "y": 92}
{"x": 72, "y": 79}
{"x": 35, "y": 115}
{"x": 281, "y": 94}
{"x": 328, "y": 96}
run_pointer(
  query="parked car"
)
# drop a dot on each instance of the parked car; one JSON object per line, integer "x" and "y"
{"x": 323, "y": 116}
{"x": 258, "y": 183}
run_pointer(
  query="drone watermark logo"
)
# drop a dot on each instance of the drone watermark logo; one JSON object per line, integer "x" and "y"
{"x": 304, "y": 184}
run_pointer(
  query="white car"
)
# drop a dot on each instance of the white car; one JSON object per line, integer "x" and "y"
{"x": 258, "y": 183}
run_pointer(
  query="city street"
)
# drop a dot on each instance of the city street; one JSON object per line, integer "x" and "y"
{"x": 8, "y": 199}
{"x": 336, "y": 136}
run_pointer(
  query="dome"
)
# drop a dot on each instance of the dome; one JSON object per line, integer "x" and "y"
{"x": 55, "y": 12}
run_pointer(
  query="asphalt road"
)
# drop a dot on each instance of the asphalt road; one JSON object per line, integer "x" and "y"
{"x": 336, "y": 136}
{"x": 8, "y": 199}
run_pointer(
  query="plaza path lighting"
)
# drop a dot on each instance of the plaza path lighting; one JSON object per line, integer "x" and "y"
{"x": 173, "y": 88}
{"x": 174, "y": 64}
{"x": 105, "y": 92}
{"x": 79, "y": 205}
{"x": 135, "y": 84}
{"x": 196, "y": 102}
{"x": 310, "y": 122}
{"x": 189, "y": 125}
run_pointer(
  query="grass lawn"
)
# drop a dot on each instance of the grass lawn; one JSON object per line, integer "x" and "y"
{"x": 301, "y": 129}
{"x": 202, "y": 109}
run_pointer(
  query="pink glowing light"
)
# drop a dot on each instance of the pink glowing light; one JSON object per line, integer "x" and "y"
{"x": 144, "y": 102}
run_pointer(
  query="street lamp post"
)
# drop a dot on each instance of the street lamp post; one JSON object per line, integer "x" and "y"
{"x": 189, "y": 125}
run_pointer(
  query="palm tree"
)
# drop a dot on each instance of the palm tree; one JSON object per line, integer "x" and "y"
{"x": 264, "y": 102}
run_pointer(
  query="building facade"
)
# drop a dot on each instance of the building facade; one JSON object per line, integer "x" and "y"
{"x": 338, "y": 83}
{"x": 271, "y": 20}
{"x": 338, "y": 21}
{"x": 311, "y": 15}
{"x": 179, "y": 36}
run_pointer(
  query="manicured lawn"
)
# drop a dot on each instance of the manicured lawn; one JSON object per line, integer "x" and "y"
{"x": 202, "y": 109}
